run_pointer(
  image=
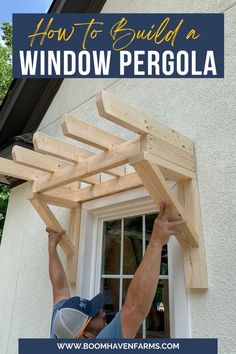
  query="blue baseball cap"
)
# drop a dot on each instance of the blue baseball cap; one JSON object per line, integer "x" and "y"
{"x": 74, "y": 313}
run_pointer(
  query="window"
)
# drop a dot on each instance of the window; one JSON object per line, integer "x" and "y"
{"x": 124, "y": 243}
{"x": 112, "y": 215}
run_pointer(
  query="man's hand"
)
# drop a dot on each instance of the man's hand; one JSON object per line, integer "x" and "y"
{"x": 54, "y": 237}
{"x": 163, "y": 228}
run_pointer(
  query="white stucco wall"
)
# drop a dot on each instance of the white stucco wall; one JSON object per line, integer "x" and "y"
{"x": 204, "y": 110}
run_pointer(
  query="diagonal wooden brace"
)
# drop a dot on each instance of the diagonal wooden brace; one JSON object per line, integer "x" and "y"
{"x": 159, "y": 189}
{"x": 50, "y": 221}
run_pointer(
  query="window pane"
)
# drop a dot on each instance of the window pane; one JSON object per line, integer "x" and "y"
{"x": 126, "y": 283}
{"x": 157, "y": 322}
{"x": 132, "y": 244}
{"x": 110, "y": 289}
{"x": 149, "y": 221}
{"x": 164, "y": 256}
{"x": 111, "y": 247}
{"x": 164, "y": 261}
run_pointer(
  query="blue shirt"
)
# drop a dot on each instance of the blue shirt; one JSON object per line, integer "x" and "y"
{"x": 56, "y": 308}
{"x": 112, "y": 330}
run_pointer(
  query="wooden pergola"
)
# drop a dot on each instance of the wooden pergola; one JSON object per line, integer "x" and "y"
{"x": 158, "y": 155}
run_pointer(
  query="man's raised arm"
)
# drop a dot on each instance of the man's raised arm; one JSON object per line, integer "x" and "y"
{"x": 142, "y": 289}
{"x": 57, "y": 274}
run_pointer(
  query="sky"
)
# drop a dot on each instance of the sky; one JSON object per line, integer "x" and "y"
{"x": 8, "y": 7}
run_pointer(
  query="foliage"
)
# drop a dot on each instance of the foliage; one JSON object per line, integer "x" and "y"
{"x": 4, "y": 196}
{"x": 7, "y": 34}
{"x": 5, "y": 59}
{"x": 5, "y": 80}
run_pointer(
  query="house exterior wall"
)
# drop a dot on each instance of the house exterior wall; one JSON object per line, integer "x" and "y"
{"x": 202, "y": 109}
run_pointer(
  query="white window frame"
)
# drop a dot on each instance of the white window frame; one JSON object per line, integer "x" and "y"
{"x": 129, "y": 203}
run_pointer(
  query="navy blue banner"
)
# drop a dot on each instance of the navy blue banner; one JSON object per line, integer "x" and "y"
{"x": 119, "y": 346}
{"x": 118, "y": 45}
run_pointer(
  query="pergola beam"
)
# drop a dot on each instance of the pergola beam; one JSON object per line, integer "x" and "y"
{"x": 49, "y": 145}
{"x": 118, "y": 112}
{"x": 114, "y": 186}
{"x": 93, "y": 136}
{"x": 62, "y": 197}
{"x": 54, "y": 147}
{"x": 168, "y": 152}
{"x": 169, "y": 169}
{"x": 11, "y": 168}
{"x": 116, "y": 156}
{"x": 89, "y": 134}
{"x": 34, "y": 159}
{"x": 50, "y": 164}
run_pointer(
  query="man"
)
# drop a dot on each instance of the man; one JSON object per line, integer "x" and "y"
{"x": 74, "y": 317}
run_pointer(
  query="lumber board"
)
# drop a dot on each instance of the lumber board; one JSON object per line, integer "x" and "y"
{"x": 116, "y": 171}
{"x": 168, "y": 152}
{"x": 47, "y": 144}
{"x": 159, "y": 190}
{"x": 50, "y": 221}
{"x": 59, "y": 150}
{"x": 118, "y": 112}
{"x": 114, "y": 186}
{"x": 50, "y": 164}
{"x": 74, "y": 234}
{"x": 34, "y": 159}
{"x": 194, "y": 258}
{"x": 11, "y": 168}
{"x": 55, "y": 147}
{"x": 114, "y": 157}
{"x": 89, "y": 134}
{"x": 62, "y": 197}
{"x": 169, "y": 169}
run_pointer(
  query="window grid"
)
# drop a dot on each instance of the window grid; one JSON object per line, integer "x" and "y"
{"x": 123, "y": 276}
{"x": 121, "y": 262}
{"x": 126, "y": 276}
{"x": 144, "y": 246}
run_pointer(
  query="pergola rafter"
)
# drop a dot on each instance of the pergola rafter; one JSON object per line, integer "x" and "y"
{"x": 158, "y": 155}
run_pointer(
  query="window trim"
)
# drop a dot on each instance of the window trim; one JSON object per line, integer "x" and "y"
{"x": 131, "y": 203}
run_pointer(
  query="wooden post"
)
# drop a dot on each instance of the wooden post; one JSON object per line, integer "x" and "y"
{"x": 74, "y": 234}
{"x": 194, "y": 258}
